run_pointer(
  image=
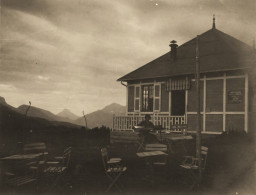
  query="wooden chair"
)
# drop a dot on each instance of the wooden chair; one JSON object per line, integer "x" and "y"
{"x": 55, "y": 170}
{"x": 17, "y": 180}
{"x": 109, "y": 161}
{"x": 113, "y": 169}
{"x": 191, "y": 164}
{"x": 140, "y": 139}
{"x": 34, "y": 148}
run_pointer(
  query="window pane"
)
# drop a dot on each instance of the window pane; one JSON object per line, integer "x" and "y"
{"x": 137, "y": 92}
{"x": 156, "y": 104}
{"x": 214, "y": 95}
{"x": 235, "y": 86}
{"x": 147, "y": 98}
{"x": 192, "y": 97}
{"x": 137, "y": 104}
{"x": 157, "y": 90}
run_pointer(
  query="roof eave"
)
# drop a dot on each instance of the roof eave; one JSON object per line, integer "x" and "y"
{"x": 183, "y": 74}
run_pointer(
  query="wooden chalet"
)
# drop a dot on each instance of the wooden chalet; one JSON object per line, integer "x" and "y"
{"x": 165, "y": 87}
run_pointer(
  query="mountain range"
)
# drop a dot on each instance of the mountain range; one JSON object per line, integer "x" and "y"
{"x": 103, "y": 117}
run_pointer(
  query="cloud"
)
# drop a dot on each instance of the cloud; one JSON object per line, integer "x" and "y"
{"x": 70, "y": 53}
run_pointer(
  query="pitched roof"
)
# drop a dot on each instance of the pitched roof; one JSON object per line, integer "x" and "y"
{"x": 217, "y": 52}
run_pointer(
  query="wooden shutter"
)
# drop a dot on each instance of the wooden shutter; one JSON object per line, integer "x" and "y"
{"x": 157, "y": 98}
{"x": 130, "y": 98}
{"x": 164, "y": 99}
{"x": 137, "y": 99}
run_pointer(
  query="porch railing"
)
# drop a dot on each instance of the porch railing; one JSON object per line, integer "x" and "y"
{"x": 128, "y": 122}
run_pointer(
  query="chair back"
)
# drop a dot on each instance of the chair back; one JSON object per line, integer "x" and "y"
{"x": 66, "y": 156}
{"x": 34, "y": 148}
{"x": 104, "y": 155}
{"x": 156, "y": 147}
{"x": 204, "y": 153}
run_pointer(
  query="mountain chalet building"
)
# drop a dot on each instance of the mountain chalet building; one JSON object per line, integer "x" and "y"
{"x": 165, "y": 88}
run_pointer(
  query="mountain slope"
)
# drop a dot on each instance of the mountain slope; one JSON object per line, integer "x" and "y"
{"x": 102, "y": 117}
{"x": 67, "y": 114}
{"x": 40, "y": 113}
{"x": 14, "y": 126}
{"x": 3, "y": 103}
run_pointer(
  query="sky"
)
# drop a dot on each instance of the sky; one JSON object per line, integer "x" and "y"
{"x": 62, "y": 54}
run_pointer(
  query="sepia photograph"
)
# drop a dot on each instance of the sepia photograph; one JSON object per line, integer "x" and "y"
{"x": 128, "y": 97}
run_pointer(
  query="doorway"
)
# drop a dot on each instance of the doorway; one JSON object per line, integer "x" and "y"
{"x": 178, "y": 103}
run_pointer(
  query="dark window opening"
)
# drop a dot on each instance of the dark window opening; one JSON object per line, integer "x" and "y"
{"x": 178, "y": 103}
{"x": 147, "y": 98}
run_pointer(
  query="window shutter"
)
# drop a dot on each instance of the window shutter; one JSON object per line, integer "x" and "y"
{"x": 130, "y": 98}
{"x": 164, "y": 99}
{"x": 137, "y": 99}
{"x": 157, "y": 98}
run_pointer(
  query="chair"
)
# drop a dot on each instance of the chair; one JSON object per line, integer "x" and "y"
{"x": 55, "y": 170}
{"x": 191, "y": 164}
{"x": 35, "y": 148}
{"x": 19, "y": 179}
{"x": 113, "y": 169}
{"x": 109, "y": 161}
{"x": 140, "y": 141}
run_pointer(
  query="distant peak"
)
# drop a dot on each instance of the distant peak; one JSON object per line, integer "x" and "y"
{"x": 114, "y": 107}
{"x": 66, "y": 113}
{"x": 2, "y": 100}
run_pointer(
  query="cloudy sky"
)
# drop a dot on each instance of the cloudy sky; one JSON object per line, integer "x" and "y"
{"x": 68, "y": 54}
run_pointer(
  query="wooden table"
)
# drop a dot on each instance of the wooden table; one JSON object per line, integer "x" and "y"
{"x": 150, "y": 153}
{"x": 19, "y": 163}
{"x": 22, "y": 156}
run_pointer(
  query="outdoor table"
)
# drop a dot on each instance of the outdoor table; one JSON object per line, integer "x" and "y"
{"x": 18, "y": 162}
{"x": 150, "y": 153}
{"x": 148, "y": 157}
{"x": 22, "y": 156}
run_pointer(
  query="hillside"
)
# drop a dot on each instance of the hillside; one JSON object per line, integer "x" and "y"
{"x": 15, "y": 126}
{"x": 3, "y": 103}
{"x": 103, "y": 117}
{"x": 41, "y": 113}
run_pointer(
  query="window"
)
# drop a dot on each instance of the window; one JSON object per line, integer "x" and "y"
{"x": 147, "y": 98}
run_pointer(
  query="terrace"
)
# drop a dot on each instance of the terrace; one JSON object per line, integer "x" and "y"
{"x": 225, "y": 171}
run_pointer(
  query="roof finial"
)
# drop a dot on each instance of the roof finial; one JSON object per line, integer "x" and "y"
{"x": 213, "y": 21}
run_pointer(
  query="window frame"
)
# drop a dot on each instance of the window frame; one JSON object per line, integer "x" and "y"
{"x": 149, "y": 94}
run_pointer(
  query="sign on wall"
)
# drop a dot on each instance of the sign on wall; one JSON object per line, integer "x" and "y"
{"x": 235, "y": 97}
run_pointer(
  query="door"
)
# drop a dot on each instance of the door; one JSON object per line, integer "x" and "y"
{"x": 178, "y": 103}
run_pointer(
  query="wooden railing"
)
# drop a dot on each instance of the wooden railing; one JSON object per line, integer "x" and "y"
{"x": 128, "y": 122}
